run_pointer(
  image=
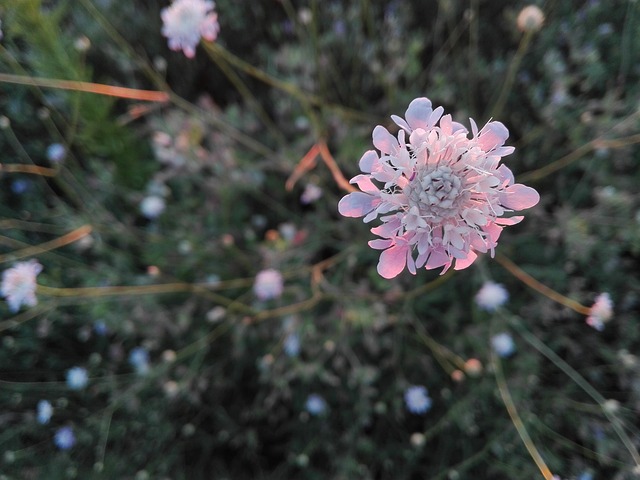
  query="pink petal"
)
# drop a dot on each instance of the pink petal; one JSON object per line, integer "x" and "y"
{"x": 519, "y": 197}
{"x": 510, "y": 220}
{"x": 368, "y": 160}
{"x": 418, "y": 113}
{"x": 392, "y": 261}
{"x": 462, "y": 263}
{"x": 492, "y": 135}
{"x": 365, "y": 184}
{"x": 384, "y": 141}
{"x": 380, "y": 244}
{"x": 357, "y": 204}
{"x": 438, "y": 258}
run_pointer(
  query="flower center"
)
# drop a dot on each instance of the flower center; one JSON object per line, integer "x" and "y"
{"x": 436, "y": 192}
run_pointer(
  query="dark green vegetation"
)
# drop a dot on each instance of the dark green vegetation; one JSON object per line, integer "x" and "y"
{"x": 232, "y": 402}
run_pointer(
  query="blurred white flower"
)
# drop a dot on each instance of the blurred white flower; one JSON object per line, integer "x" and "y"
{"x": 601, "y": 312}
{"x": 315, "y": 404}
{"x": 56, "y": 152}
{"x": 19, "y": 284}
{"x": 311, "y": 193}
{"x": 268, "y": 284}
{"x": 185, "y": 21}
{"x": 77, "y": 378}
{"x": 491, "y": 296}
{"x": 292, "y": 345}
{"x": 417, "y": 399}
{"x": 44, "y": 411}
{"x": 152, "y": 206}
{"x": 530, "y": 19}
{"x": 503, "y": 344}
{"x": 139, "y": 360}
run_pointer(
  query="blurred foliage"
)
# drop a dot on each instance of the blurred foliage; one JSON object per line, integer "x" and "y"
{"x": 224, "y": 398}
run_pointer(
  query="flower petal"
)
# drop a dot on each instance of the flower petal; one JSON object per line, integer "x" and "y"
{"x": 519, "y": 197}
{"x": 384, "y": 141}
{"x": 418, "y": 113}
{"x": 357, "y": 204}
{"x": 392, "y": 261}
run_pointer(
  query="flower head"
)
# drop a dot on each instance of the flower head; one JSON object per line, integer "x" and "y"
{"x": 77, "y": 378}
{"x": 19, "y": 284}
{"x": 44, "y": 411}
{"x": 442, "y": 193}
{"x": 315, "y": 404}
{"x": 503, "y": 344}
{"x": 56, "y": 152}
{"x": 491, "y": 296}
{"x": 185, "y": 21}
{"x": 152, "y": 206}
{"x": 64, "y": 438}
{"x": 139, "y": 360}
{"x": 601, "y": 312}
{"x": 417, "y": 399}
{"x": 268, "y": 284}
{"x": 530, "y": 19}
{"x": 292, "y": 345}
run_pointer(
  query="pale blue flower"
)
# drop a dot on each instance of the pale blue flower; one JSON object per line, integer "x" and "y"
{"x": 64, "y": 438}
{"x": 139, "y": 360}
{"x": 44, "y": 411}
{"x": 503, "y": 344}
{"x": 56, "y": 152}
{"x": 417, "y": 399}
{"x": 77, "y": 378}
{"x": 292, "y": 345}
{"x": 315, "y": 404}
{"x": 491, "y": 296}
{"x": 585, "y": 476}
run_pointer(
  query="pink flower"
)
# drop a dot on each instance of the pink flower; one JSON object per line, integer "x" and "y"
{"x": 601, "y": 312}
{"x": 268, "y": 284}
{"x": 185, "y": 21}
{"x": 442, "y": 194}
{"x": 19, "y": 284}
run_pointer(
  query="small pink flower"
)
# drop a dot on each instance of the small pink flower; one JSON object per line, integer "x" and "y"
{"x": 601, "y": 312}
{"x": 442, "y": 194}
{"x": 269, "y": 284}
{"x": 19, "y": 284}
{"x": 185, "y": 21}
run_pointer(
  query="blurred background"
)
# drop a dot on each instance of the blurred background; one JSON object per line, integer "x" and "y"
{"x": 204, "y": 366}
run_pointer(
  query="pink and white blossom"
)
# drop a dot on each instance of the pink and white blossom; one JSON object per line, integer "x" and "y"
{"x": 186, "y": 21}
{"x": 601, "y": 312}
{"x": 440, "y": 195}
{"x": 19, "y": 284}
{"x": 268, "y": 284}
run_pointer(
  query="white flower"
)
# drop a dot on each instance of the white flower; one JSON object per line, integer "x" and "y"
{"x": 601, "y": 312}
{"x": 56, "y": 152}
{"x": 152, "y": 206}
{"x": 77, "y": 378}
{"x": 19, "y": 284}
{"x": 315, "y": 404}
{"x": 417, "y": 399}
{"x": 268, "y": 284}
{"x": 503, "y": 344}
{"x": 491, "y": 296}
{"x": 45, "y": 410}
{"x": 185, "y": 21}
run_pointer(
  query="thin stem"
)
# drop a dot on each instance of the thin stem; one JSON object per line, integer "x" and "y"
{"x": 582, "y": 383}
{"x": 511, "y": 74}
{"x": 531, "y": 282}
{"x": 66, "y": 239}
{"x": 89, "y": 87}
{"x": 517, "y": 421}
